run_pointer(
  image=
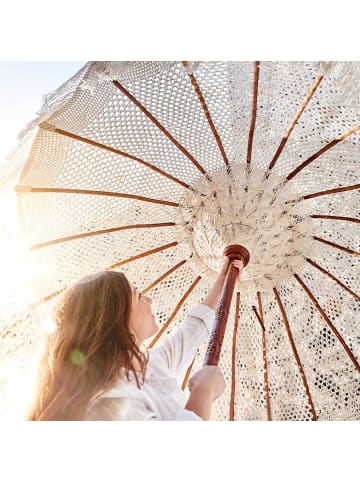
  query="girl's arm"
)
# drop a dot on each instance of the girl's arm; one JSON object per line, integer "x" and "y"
{"x": 213, "y": 297}
{"x": 205, "y": 386}
{"x": 208, "y": 383}
{"x": 177, "y": 352}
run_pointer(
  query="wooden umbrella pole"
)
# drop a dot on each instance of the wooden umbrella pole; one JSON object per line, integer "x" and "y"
{"x": 233, "y": 251}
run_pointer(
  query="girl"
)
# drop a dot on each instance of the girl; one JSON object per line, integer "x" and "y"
{"x": 95, "y": 367}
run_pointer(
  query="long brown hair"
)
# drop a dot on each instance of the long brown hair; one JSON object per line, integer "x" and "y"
{"x": 91, "y": 345}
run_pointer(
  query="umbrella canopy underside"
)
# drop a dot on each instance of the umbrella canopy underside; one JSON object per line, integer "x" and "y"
{"x": 152, "y": 168}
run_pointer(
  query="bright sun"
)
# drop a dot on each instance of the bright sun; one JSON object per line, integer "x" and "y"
{"x": 19, "y": 332}
{"x": 13, "y": 256}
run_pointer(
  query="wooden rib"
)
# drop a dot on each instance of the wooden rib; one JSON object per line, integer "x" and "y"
{"x": 294, "y": 122}
{"x": 298, "y": 361}
{"x": 319, "y": 153}
{"x": 332, "y": 191}
{"x": 266, "y": 371}
{"x": 142, "y": 255}
{"x": 339, "y": 218}
{"x": 343, "y": 248}
{"x": 150, "y": 287}
{"x": 233, "y": 359}
{"x": 187, "y": 375}
{"x": 254, "y": 107}
{"x": 56, "y": 293}
{"x": 51, "y": 128}
{"x": 96, "y": 193}
{"x": 173, "y": 314}
{"x": 207, "y": 113}
{"x": 325, "y": 317}
{"x": 160, "y": 126}
{"x": 96, "y": 233}
{"x": 49, "y": 297}
{"x": 258, "y": 318}
{"x": 333, "y": 278}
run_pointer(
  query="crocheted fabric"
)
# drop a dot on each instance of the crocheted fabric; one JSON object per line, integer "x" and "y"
{"x": 213, "y": 128}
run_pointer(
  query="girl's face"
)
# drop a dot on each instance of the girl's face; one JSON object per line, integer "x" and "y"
{"x": 142, "y": 321}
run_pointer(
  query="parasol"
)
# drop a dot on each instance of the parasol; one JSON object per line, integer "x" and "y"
{"x": 152, "y": 168}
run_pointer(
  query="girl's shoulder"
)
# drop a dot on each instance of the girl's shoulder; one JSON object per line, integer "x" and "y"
{"x": 117, "y": 409}
{"x": 123, "y": 402}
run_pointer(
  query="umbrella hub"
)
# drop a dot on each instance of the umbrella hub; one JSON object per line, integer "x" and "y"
{"x": 245, "y": 206}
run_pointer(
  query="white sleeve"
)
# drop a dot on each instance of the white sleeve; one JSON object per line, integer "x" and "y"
{"x": 178, "y": 351}
{"x": 184, "y": 415}
{"x": 116, "y": 409}
{"x": 126, "y": 410}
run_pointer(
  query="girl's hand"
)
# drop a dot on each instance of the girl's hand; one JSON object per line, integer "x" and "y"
{"x": 213, "y": 297}
{"x": 209, "y": 380}
{"x": 205, "y": 386}
{"x": 236, "y": 262}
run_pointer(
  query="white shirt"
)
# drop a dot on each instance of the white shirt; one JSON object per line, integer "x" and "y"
{"x": 160, "y": 397}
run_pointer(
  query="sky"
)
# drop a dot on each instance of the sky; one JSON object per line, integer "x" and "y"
{"x": 22, "y": 87}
